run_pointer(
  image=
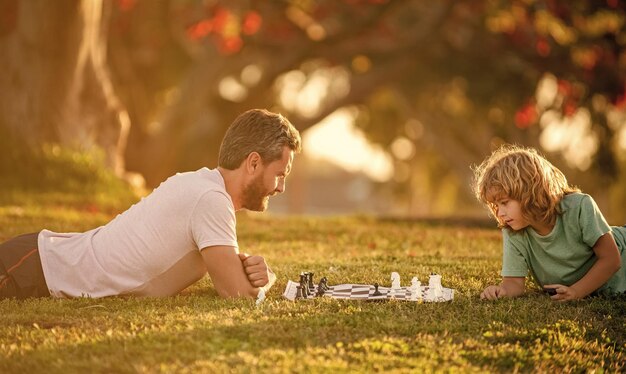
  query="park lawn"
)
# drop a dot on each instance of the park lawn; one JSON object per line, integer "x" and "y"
{"x": 198, "y": 332}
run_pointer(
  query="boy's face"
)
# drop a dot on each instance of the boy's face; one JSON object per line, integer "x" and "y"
{"x": 509, "y": 211}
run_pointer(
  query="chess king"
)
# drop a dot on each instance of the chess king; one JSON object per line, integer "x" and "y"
{"x": 171, "y": 238}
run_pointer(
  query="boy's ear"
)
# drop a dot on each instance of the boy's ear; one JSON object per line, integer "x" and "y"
{"x": 253, "y": 161}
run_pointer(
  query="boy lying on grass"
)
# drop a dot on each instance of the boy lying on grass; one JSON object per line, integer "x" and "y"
{"x": 172, "y": 237}
{"x": 549, "y": 228}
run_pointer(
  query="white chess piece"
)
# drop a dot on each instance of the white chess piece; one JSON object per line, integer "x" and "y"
{"x": 416, "y": 289}
{"x": 435, "y": 290}
{"x": 260, "y": 297}
{"x": 395, "y": 280}
{"x": 395, "y": 285}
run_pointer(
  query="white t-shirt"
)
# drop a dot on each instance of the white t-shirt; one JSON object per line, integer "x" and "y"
{"x": 152, "y": 249}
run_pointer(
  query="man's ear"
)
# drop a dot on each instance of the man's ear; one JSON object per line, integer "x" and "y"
{"x": 253, "y": 162}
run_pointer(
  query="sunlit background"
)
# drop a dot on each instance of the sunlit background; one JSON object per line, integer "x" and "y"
{"x": 395, "y": 100}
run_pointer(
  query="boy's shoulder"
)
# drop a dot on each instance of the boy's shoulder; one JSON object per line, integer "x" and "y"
{"x": 573, "y": 200}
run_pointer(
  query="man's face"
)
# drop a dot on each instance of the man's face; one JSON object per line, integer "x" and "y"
{"x": 269, "y": 181}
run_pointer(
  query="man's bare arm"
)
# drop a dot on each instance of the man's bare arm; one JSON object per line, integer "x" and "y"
{"x": 227, "y": 272}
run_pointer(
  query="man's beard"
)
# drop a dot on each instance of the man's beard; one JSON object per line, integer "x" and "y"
{"x": 255, "y": 195}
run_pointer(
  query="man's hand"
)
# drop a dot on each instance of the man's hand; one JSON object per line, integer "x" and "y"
{"x": 257, "y": 271}
{"x": 563, "y": 293}
{"x": 493, "y": 292}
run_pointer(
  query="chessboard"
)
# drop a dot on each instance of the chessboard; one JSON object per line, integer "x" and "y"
{"x": 306, "y": 289}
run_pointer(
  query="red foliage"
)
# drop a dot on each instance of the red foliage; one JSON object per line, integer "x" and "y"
{"x": 359, "y": 2}
{"x": 126, "y": 5}
{"x": 220, "y": 19}
{"x": 200, "y": 29}
{"x": 569, "y": 108}
{"x": 543, "y": 47}
{"x": 564, "y": 87}
{"x": 251, "y": 23}
{"x": 230, "y": 45}
{"x": 526, "y": 116}
{"x": 620, "y": 101}
{"x": 9, "y": 11}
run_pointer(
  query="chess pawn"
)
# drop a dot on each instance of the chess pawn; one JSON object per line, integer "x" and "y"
{"x": 415, "y": 290}
{"x": 299, "y": 293}
{"x": 376, "y": 291}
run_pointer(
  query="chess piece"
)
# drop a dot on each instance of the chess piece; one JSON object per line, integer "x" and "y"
{"x": 310, "y": 281}
{"x": 260, "y": 297}
{"x": 435, "y": 290}
{"x": 415, "y": 290}
{"x": 304, "y": 284}
{"x": 322, "y": 287}
{"x": 299, "y": 293}
{"x": 395, "y": 285}
{"x": 376, "y": 291}
{"x": 395, "y": 280}
{"x": 324, "y": 283}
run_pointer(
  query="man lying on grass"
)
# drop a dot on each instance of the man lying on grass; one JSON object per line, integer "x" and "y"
{"x": 172, "y": 237}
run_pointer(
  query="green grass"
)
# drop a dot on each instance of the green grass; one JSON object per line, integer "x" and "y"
{"x": 198, "y": 332}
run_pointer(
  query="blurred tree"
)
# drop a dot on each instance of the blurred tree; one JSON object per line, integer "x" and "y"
{"x": 483, "y": 58}
{"x": 55, "y": 84}
{"x": 446, "y": 80}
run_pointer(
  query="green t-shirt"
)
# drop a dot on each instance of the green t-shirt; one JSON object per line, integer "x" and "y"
{"x": 566, "y": 254}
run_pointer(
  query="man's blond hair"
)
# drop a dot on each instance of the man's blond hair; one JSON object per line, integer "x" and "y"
{"x": 524, "y": 175}
{"x": 261, "y": 131}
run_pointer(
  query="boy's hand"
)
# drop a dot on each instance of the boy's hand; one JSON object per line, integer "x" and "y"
{"x": 256, "y": 269}
{"x": 563, "y": 293}
{"x": 493, "y": 292}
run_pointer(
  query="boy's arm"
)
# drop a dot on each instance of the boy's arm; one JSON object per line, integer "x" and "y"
{"x": 608, "y": 262}
{"x": 510, "y": 287}
{"x": 231, "y": 274}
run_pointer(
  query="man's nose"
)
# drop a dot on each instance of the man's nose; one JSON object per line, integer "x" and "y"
{"x": 280, "y": 187}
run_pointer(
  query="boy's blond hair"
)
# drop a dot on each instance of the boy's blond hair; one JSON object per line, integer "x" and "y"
{"x": 521, "y": 174}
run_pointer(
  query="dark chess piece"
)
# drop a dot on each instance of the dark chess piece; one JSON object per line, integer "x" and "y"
{"x": 304, "y": 285}
{"x": 376, "y": 292}
{"x": 322, "y": 287}
{"x": 324, "y": 283}
{"x": 299, "y": 293}
{"x": 310, "y": 280}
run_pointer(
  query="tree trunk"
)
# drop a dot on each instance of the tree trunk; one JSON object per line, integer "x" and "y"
{"x": 55, "y": 85}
